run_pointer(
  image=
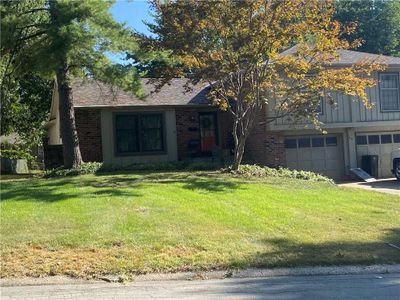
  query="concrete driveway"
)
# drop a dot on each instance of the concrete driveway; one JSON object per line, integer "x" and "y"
{"x": 389, "y": 186}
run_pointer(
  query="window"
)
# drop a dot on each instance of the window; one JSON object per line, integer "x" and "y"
{"x": 361, "y": 140}
{"x": 386, "y": 139}
{"x": 389, "y": 91}
{"x": 304, "y": 90}
{"x": 373, "y": 139}
{"x": 317, "y": 142}
{"x": 331, "y": 141}
{"x": 290, "y": 143}
{"x": 396, "y": 138}
{"x": 139, "y": 133}
{"x": 304, "y": 143}
{"x": 320, "y": 107}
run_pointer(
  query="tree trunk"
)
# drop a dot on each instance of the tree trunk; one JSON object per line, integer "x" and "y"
{"x": 238, "y": 153}
{"x": 69, "y": 135}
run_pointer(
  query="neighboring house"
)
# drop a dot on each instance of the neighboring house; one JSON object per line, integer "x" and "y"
{"x": 117, "y": 128}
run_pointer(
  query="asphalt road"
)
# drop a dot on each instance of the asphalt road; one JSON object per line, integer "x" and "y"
{"x": 372, "y": 286}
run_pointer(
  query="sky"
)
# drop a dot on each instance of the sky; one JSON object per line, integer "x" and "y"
{"x": 133, "y": 13}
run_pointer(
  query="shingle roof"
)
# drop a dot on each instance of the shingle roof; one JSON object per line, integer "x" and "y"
{"x": 90, "y": 93}
{"x": 349, "y": 57}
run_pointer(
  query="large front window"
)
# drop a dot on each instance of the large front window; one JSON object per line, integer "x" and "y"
{"x": 139, "y": 133}
{"x": 389, "y": 91}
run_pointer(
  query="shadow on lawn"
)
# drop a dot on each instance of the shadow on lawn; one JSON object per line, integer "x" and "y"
{"x": 200, "y": 181}
{"x": 60, "y": 189}
{"x": 287, "y": 252}
{"x": 126, "y": 185}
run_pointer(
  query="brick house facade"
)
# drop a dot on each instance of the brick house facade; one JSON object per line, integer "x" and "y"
{"x": 261, "y": 147}
{"x": 88, "y": 124}
{"x": 184, "y": 113}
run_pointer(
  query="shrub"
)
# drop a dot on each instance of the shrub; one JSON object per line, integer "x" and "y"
{"x": 95, "y": 167}
{"x": 258, "y": 171}
{"x": 15, "y": 151}
{"x": 85, "y": 168}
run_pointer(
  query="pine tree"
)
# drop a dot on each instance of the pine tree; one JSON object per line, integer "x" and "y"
{"x": 65, "y": 39}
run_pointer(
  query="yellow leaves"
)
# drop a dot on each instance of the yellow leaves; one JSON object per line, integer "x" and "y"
{"x": 215, "y": 55}
{"x": 239, "y": 45}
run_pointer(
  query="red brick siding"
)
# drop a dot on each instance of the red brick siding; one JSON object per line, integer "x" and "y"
{"x": 262, "y": 147}
{"x": 225, "y": 124}
{"x": 187, "y": 129}
{"x": 53, "y": 155}
{"x": 88, "y": 125}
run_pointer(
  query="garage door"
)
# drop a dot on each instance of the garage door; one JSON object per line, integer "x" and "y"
{"x": 381, "y": 144}
{"x": 320, "y": 154}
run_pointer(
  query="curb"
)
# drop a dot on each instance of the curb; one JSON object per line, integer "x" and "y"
{"x": 248, "y": 273}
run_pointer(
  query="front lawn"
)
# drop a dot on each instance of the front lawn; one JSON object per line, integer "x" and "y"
{"x": 91, "y": 225}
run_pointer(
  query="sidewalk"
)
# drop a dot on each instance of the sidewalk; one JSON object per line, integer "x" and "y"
{"x": 372, "y": 286}
{"x": 351, "y": 282}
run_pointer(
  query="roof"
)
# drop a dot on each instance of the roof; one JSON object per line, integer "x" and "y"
{"x": 91, "y": 93}
{"x": 349, "y": 57}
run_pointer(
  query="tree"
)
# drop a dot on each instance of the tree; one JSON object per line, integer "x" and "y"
{"x": 378, "y": 24}
{"x": 65, "y": 39}
{"x": 236, "y": 47}
{"x": 25, "y": 109}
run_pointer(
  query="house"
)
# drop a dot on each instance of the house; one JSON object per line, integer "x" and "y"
{"x": 118, "y": 128}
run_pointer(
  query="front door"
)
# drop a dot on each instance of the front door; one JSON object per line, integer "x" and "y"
{"x": 208, "y": 132}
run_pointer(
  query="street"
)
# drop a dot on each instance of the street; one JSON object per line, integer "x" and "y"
{"x": 371, "y": 286}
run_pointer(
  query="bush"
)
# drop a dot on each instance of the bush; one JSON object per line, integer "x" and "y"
{"x": 15, "y": 151}
{"x": 161, "y": 166}
{"x": 258, "y": 171}
{"x": 85, "y": 168}
{"x": 95, "y": 167}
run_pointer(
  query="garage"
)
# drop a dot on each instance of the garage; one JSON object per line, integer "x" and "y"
{"x": 381, "y": 144}
{"x": 321, "y": 154}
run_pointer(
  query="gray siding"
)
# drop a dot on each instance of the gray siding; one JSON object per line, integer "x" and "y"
{"x": 347, "y": 110}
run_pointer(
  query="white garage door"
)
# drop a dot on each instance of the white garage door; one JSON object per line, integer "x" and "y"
{"x": 320, "y": 154}
{"x": 381, "y": 144}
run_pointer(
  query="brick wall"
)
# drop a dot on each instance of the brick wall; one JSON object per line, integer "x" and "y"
{"x": 262, "y": 147}
{"x": 53, "y": 156}
{"x": 88, "y": 125}
{"x": 188, "y": 131}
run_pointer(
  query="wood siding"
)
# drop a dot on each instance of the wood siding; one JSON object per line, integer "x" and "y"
{"x": 346, "y": 110}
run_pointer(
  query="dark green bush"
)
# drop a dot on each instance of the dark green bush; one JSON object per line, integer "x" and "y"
{"x": 15, "y": 151}
{"x": 85, "y": 168}
{"x": 258, "y": 171}
{"x": 95, "y": 167}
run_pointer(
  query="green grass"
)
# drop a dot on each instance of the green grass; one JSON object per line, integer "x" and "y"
{"x": 163, "y": 222}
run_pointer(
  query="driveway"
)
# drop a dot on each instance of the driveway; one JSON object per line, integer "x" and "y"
{"x": 389, "y": 186}
{"x": 371, "y": 286}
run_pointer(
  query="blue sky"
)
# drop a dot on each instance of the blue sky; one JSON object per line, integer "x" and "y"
{"x": 133, "y": 13}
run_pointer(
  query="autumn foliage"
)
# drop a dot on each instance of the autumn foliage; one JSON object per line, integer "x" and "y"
{"x": 238, "y": 48}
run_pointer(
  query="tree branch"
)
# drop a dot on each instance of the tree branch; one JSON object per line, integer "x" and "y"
{"x": 32, "y": 11}
{"x": 39, "y": 33}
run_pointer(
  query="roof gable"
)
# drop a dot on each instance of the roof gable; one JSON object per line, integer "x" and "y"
{"x": 350, "y": 57}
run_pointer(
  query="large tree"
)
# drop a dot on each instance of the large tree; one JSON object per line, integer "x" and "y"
{"x": 378, "y": 24}
{"x": 25, "y": 108}
{"x": 65, "y": 39}
{"x": 236, "y": 47}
